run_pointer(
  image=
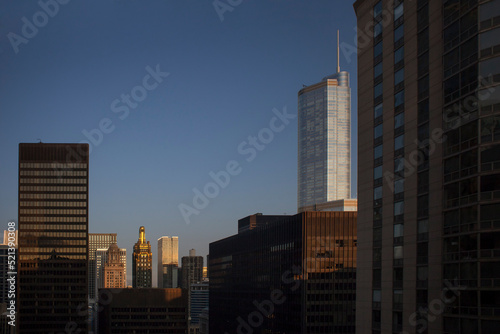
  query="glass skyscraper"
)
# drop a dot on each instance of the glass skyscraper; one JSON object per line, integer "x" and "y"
{"x": 324, "y": 141}
{"x": 168, "y": 262}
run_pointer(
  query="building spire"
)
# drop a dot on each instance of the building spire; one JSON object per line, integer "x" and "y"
{"x": 338, "y": 51}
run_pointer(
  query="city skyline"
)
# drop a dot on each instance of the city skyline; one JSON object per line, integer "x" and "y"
{"x": 73, "y": 76}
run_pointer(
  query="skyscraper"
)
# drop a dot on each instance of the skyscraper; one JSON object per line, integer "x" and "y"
{"x": 168, "y": 262}
{"x": 428, "y": 171}
{"x": 115, "y": 269}
{"x": 53, "y": 237}
{"x": 142, "y": 262}
{"x": 324, "y": 141}
{"x": 192, "y": 269}
{"x": 97, "y": 240}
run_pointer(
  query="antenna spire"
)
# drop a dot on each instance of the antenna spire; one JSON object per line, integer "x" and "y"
{"x": 338, "y": 51}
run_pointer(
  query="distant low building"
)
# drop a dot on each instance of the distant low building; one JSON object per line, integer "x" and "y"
{"x": 145, "y": 310}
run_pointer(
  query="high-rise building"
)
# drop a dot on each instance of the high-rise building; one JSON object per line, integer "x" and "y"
{"x": 114, "y": 271}
{"x": 53, "y": 237}
{"x": 192, "y": 269}
{"x": 324, "y": 141}
{"x": 295, "y": 275}
{"x": 96, "y": 241}
{"x": 102, "y": 258}
{"x": 168, "y": 262}
{"x": 144, "y": 310}
{"x": 4, "y": 270}
{"x": 142, "y": 258}
{"x": 428, "y": 171}
{"x": 198, "y": 300}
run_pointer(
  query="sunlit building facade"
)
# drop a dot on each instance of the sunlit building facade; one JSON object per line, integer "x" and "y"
{"x": 324, "y": 141}
{"x": 168, "y": 262}
{"x": 53, "y": 237}
{"x": 298, "y": 272}
{"x": 142, "y": 258}
{"x": 96, "y": 241}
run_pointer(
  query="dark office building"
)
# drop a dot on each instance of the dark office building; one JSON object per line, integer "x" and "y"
{"x": 192, "y": 269}
{"x": 294, "y": 275}
{"x": 429, "y": 166}
{"x": 53, "y": 238}
{"x": 143, "y": 311}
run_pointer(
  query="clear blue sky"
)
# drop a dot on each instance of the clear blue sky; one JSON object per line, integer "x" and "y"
{"x": 225, "y": 79}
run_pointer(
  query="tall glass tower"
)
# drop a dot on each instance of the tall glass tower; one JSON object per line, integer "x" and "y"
{"x": 324, "y": 147}
{"x": 168, "y": 262}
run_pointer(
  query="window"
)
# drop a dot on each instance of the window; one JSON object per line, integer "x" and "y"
{"x": 378, "y": 110}
{"x": 398, "y": 230}
{"x": 399, "y": 55}
{"x": 399, "y": 99}
{"x": 377, "y": 193}
{"x": 489, "y": 39}
{"x": 399, "y": 33}
{"x": 399, "y": 142}
{"x": 378, "y": 131}
{"x": 377, "y": 29}
{"x": 489, "y": 68}
{"x": 399, "y": 120}
{"x": 423, "y": 41}
{"x": 377, "y": 90}
{"x": 376, "y": 296}
{"x": 398, "y": 252}
{"x": 398, "y": 11}
{"x": 377, "y": 9}
{"x": 377, "y": 50}
{"x": 422, "y": 273}
{"x": 399, "y": 186}
{"x": 399, "y": 76}
{"x": 397, "y": 274}
{"x": 377, "y": 172}
{"x": 377, "y": 152}
{"x": 377, "y": 70}
{"x": 399, "y": 165}
{"x": 399, "y": 208}
{"x": 423, "y": 111}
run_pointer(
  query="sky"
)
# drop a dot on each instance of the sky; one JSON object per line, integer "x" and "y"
{"x": 170, "y": 95}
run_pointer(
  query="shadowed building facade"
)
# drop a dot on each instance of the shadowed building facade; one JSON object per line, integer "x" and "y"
{"x": 53, "y": 237}
{"x": 428, "y": 166}
{"x": 294, "y": 275}
{"x": 142, "y": 258}
{"x": 152, "y": 311}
